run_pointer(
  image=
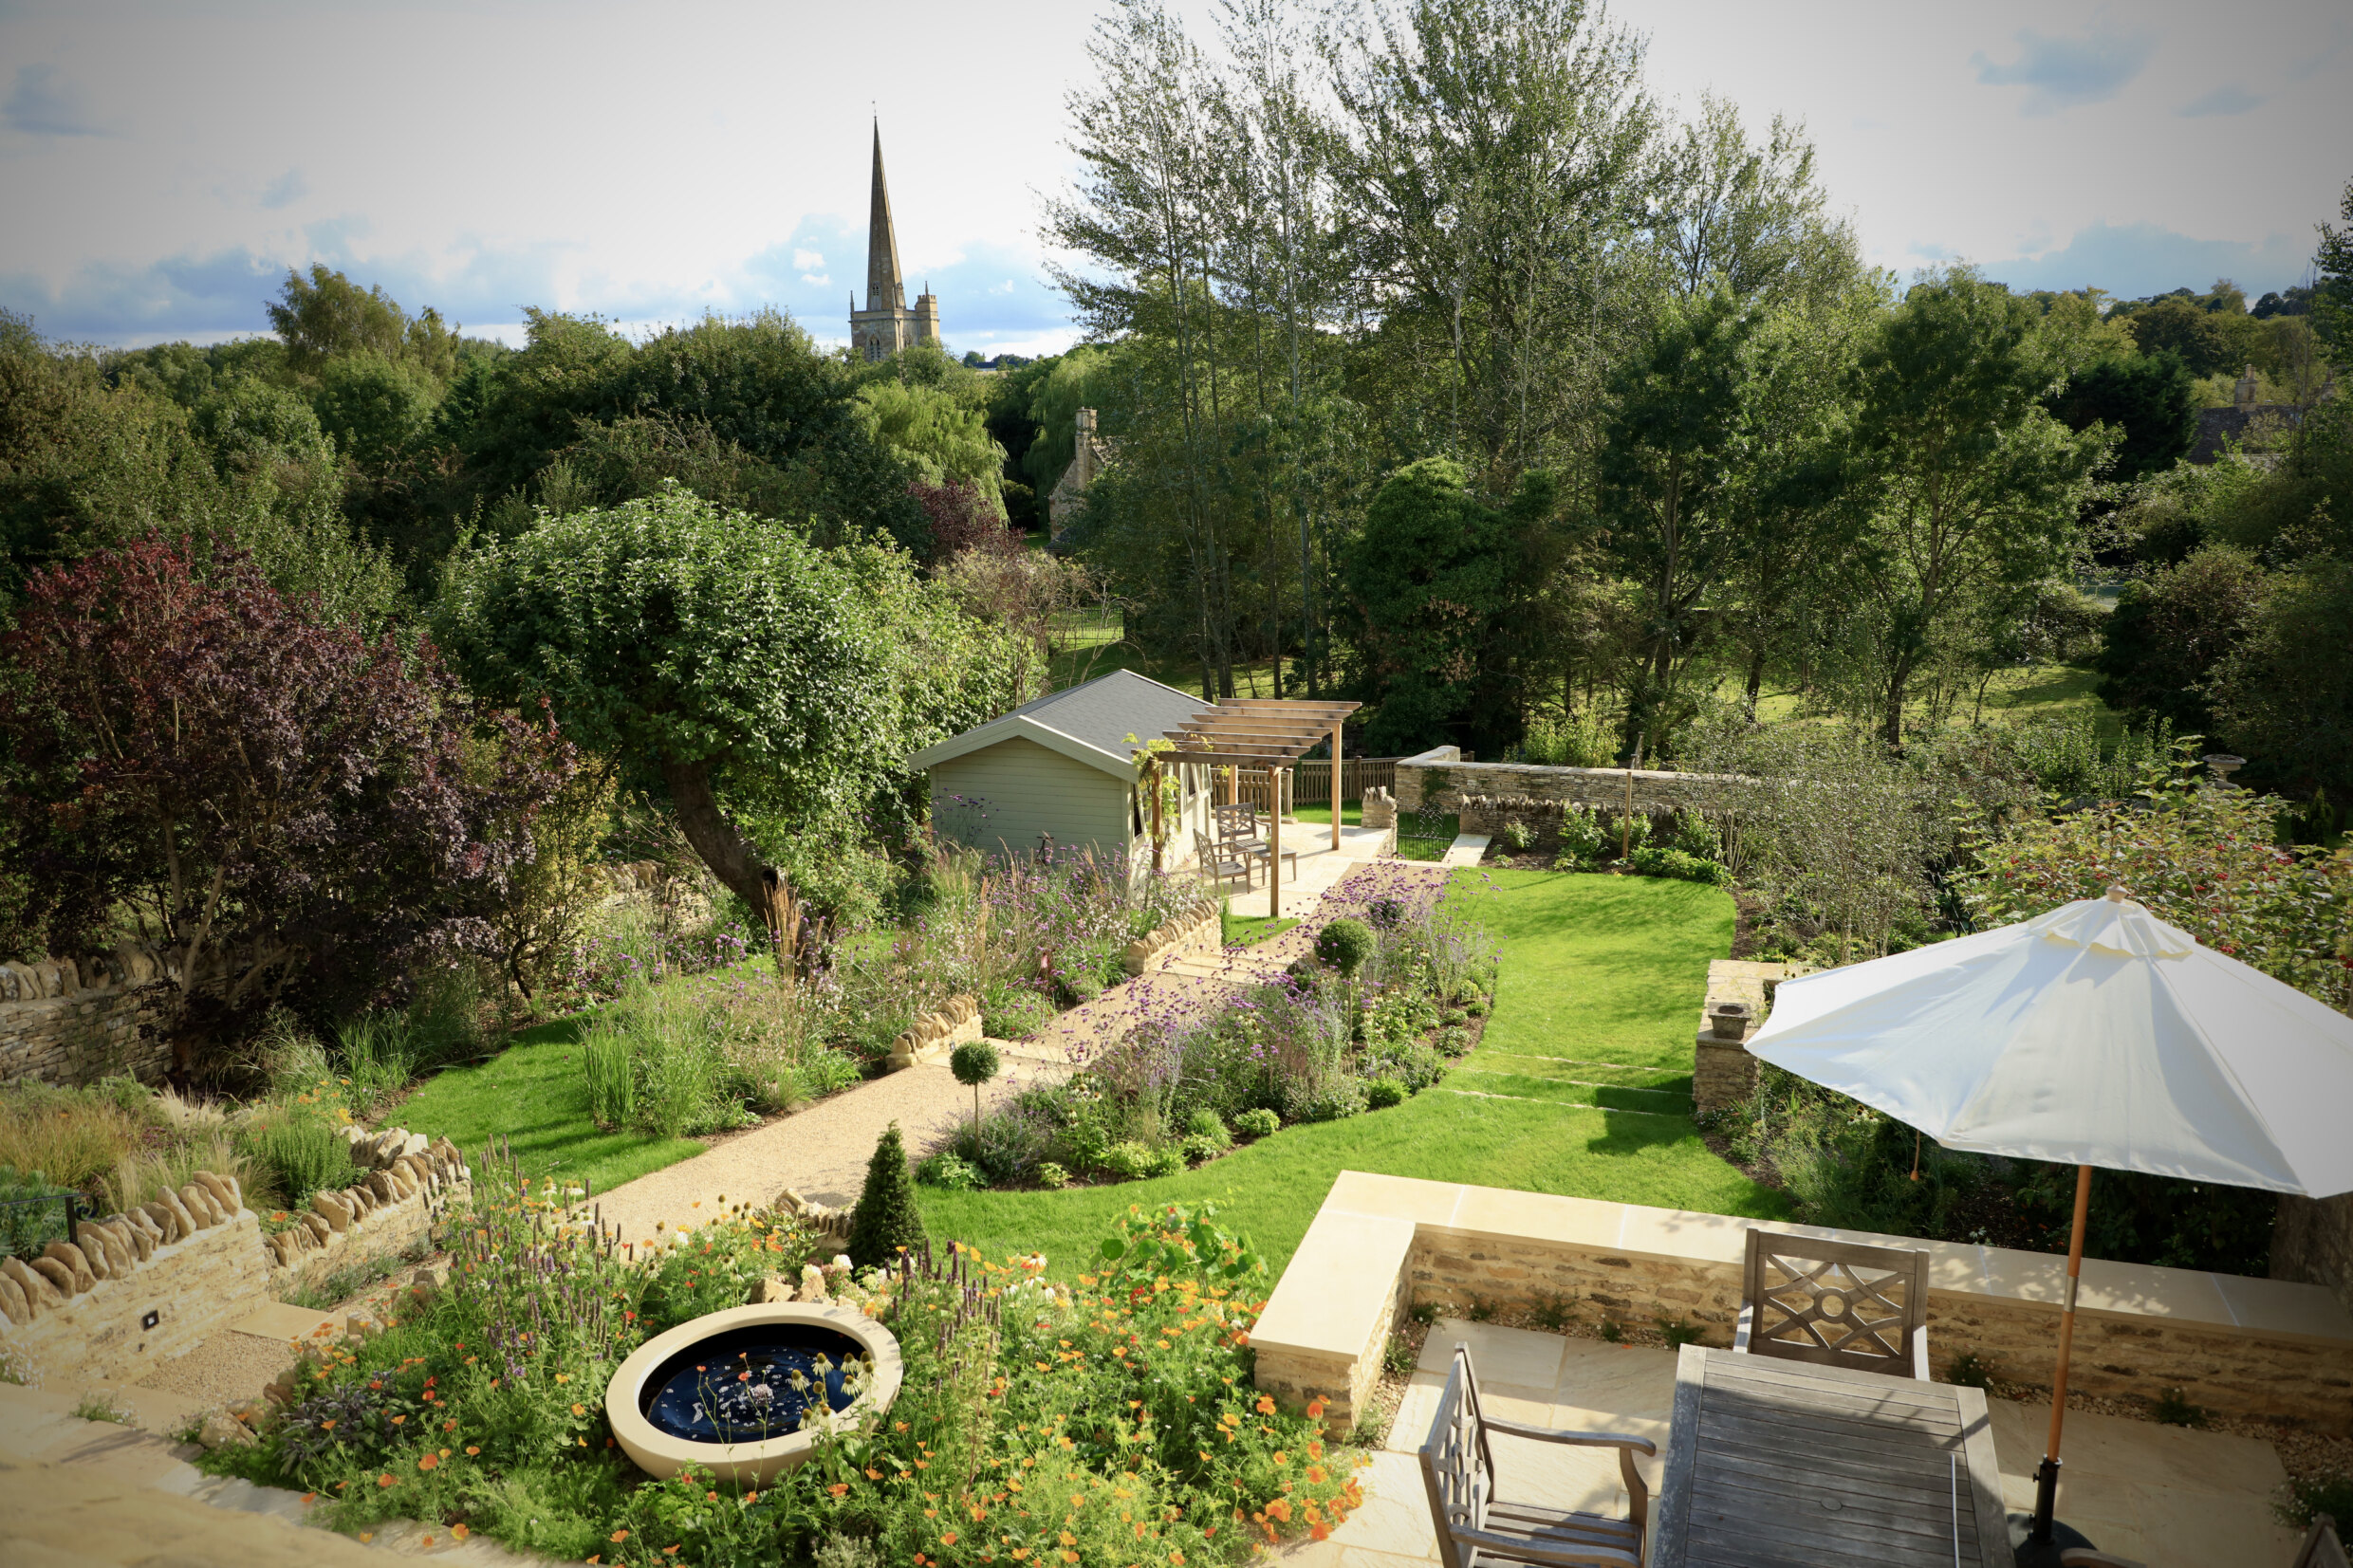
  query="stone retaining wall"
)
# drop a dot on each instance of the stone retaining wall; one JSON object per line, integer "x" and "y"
{"x": 2241, "y": 1346}
{"x": 68, "y": 1022}
{"x": 136, "y": 1289}
{"x": 1196, "y": 926}
{"x": 936, "y": 1035}
{"x": 1439, "y": 779}
{"x": 2313, "y": 1243}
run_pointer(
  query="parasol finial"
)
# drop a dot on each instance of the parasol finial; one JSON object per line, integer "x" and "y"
{"x": 2116, "y": 893}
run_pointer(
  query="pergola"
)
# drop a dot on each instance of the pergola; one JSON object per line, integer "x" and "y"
{"x": 1269, "y": 732}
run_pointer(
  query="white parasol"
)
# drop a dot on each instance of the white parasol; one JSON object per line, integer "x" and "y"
{"x": 2094, "y": 1035}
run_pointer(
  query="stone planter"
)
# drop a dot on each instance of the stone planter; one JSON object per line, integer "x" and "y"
{"x": 631, "y": 1394}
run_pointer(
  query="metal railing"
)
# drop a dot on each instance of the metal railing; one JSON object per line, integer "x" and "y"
{"x": 28, "y": 1225}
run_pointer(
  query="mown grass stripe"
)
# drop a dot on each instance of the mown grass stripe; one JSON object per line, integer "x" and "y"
{"x": 1562, "y": 1104}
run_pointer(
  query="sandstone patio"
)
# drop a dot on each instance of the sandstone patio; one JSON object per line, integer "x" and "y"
{"x": 2168, "y": 1496}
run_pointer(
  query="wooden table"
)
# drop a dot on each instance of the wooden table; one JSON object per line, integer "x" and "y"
{"x": 1776, "y": 1464}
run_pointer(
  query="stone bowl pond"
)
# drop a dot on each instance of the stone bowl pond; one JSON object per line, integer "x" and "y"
{"x": 728, "y": 1392}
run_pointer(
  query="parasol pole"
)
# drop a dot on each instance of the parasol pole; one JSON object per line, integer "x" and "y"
{"x": 2046, "y": 1474}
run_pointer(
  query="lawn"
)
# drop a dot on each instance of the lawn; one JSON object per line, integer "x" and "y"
{"x": 1600, "y": 984}
{"x": 532, "y": 1095}
{"x": 1421, "y": 835}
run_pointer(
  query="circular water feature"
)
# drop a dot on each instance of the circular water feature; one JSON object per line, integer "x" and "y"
{"x": 691, "y": 1397}
{"x": 750, "y": 1384}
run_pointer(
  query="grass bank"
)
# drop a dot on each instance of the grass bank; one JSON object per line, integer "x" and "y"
{"x": 1602, "y": 970}
{"x": 535, "y": 1096}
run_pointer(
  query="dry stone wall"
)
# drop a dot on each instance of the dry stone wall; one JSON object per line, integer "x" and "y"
{"x": 64, "y": 1020}
{"x": 1194, "y": 926}
{"x": 139, "y": 1288}
{"x": 936, "y": 1035}
{"x": 2313, "y": 1243}
{"x": 1438, "y": 780}
{"x": 2306, "y": 1382}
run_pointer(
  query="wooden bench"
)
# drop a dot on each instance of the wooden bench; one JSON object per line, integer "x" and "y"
{"x": 1835, "y": 1303}
{"x": 1477, "y": 1527}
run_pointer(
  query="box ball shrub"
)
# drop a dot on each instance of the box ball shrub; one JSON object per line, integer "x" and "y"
{"x": 1258, "y": 1123}
{"x": 1344, "y": 944}
{"x": 1381, "y": 1093}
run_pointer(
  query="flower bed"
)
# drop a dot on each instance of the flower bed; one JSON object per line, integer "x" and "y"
{"x": 1403, "y": 978}
{"x": 1111, "y": 1420}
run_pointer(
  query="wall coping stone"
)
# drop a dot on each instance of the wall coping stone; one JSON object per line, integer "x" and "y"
{"x": 1343, "y": 1282}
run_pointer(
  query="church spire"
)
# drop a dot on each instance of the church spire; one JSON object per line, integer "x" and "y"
{"x": 884, "y": 290}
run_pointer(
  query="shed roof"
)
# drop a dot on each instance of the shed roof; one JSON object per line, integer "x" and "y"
{"x": 1088, "y": 723}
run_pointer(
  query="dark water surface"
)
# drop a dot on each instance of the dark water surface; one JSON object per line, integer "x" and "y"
{"x": 736, "y": 1386}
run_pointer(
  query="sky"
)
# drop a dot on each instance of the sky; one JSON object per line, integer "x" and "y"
{"x": 162, "y": 165}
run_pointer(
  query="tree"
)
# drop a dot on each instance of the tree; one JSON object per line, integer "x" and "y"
{"x": 2332, "y": 288}
{"x": 376, "y": 408}
{"x": 1500, "y": 158}
{"x": 944, "y": 441}
{"x": 84, "y": 465}
{"x": 887, "y": 1220}
{"x": 327, "y": 315}
{"x": 2167, "y": 636}
{"x": 2211, "y": 342}
{"x": 2283, "y": 694}
{"x": 1971, "y": 485}
{"x": 277, "y": 797}
{"x": 1676, "y": 435}
{"x": 762, "y": 685}
{"x": 2151, "y": 400}
{"x": 1428, "y": 584}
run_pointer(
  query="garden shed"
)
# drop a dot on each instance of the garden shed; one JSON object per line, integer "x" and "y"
{"x": 1064, "y": 766}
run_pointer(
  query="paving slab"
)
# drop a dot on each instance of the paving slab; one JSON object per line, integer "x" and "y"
{"x": 2169, "y": 1497}
{"x": 284, "y": 1324}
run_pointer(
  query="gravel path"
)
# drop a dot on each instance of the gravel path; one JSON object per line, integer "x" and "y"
{"x": 821, "y": 1153}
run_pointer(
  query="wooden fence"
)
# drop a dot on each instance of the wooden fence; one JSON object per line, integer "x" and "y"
{"x": 1311, "y": 780}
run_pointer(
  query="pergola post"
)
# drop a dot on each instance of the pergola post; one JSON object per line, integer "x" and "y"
{"x": 1274, "y": 846}
{"x": 1335, "y": 786}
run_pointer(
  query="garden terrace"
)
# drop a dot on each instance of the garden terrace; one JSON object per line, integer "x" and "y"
{"x": 1386, "y": 1249}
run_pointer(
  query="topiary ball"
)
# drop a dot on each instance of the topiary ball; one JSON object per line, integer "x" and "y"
{"x": 973, "y": 1065}
{"x": 1381, "y": 1093}
{"x": 1344, "y": 944}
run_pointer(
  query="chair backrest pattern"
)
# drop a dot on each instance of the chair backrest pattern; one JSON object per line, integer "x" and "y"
{"x": 1458, "y": 1471}
{"x": 1237, "y": 821}
{"x": 1837, "y": 1304}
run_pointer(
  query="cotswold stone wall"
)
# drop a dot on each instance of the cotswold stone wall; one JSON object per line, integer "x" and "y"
{"x": 2262, "y": 1348}
{"x": 2313, "y": 1243}
{"x": 136, "y": 1289}
{"x": 1438, "y": 780}
{"x": 68, "y": 1022}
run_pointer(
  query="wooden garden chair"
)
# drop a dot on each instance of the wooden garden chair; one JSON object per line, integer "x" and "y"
{"x": 1237, "y": 831}
{"x": 1220, "y": 861}
{"x": 1835, "y": 1303}
{"x": 1477, "y": 1529}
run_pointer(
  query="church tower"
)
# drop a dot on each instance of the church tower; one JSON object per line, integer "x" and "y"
{"x": 887, "y": 325}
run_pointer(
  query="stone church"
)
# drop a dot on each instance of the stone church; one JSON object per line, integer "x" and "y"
{"x": 886, "y": 326}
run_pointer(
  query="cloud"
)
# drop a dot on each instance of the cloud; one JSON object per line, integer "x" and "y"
{"x": 810, "y": 261}
{"x": 2232, "y": 100}
{"x": 2134, "y": 260}
{"x": 288, "y": 188}
{"x": 2061, "y": 73}
{"x": 45, "y": 103}
{"x": 988, "y": 293}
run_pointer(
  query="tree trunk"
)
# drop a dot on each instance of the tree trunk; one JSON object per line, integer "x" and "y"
{"x": 1756, "y": 677}
{"x": 732, "y": 858}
